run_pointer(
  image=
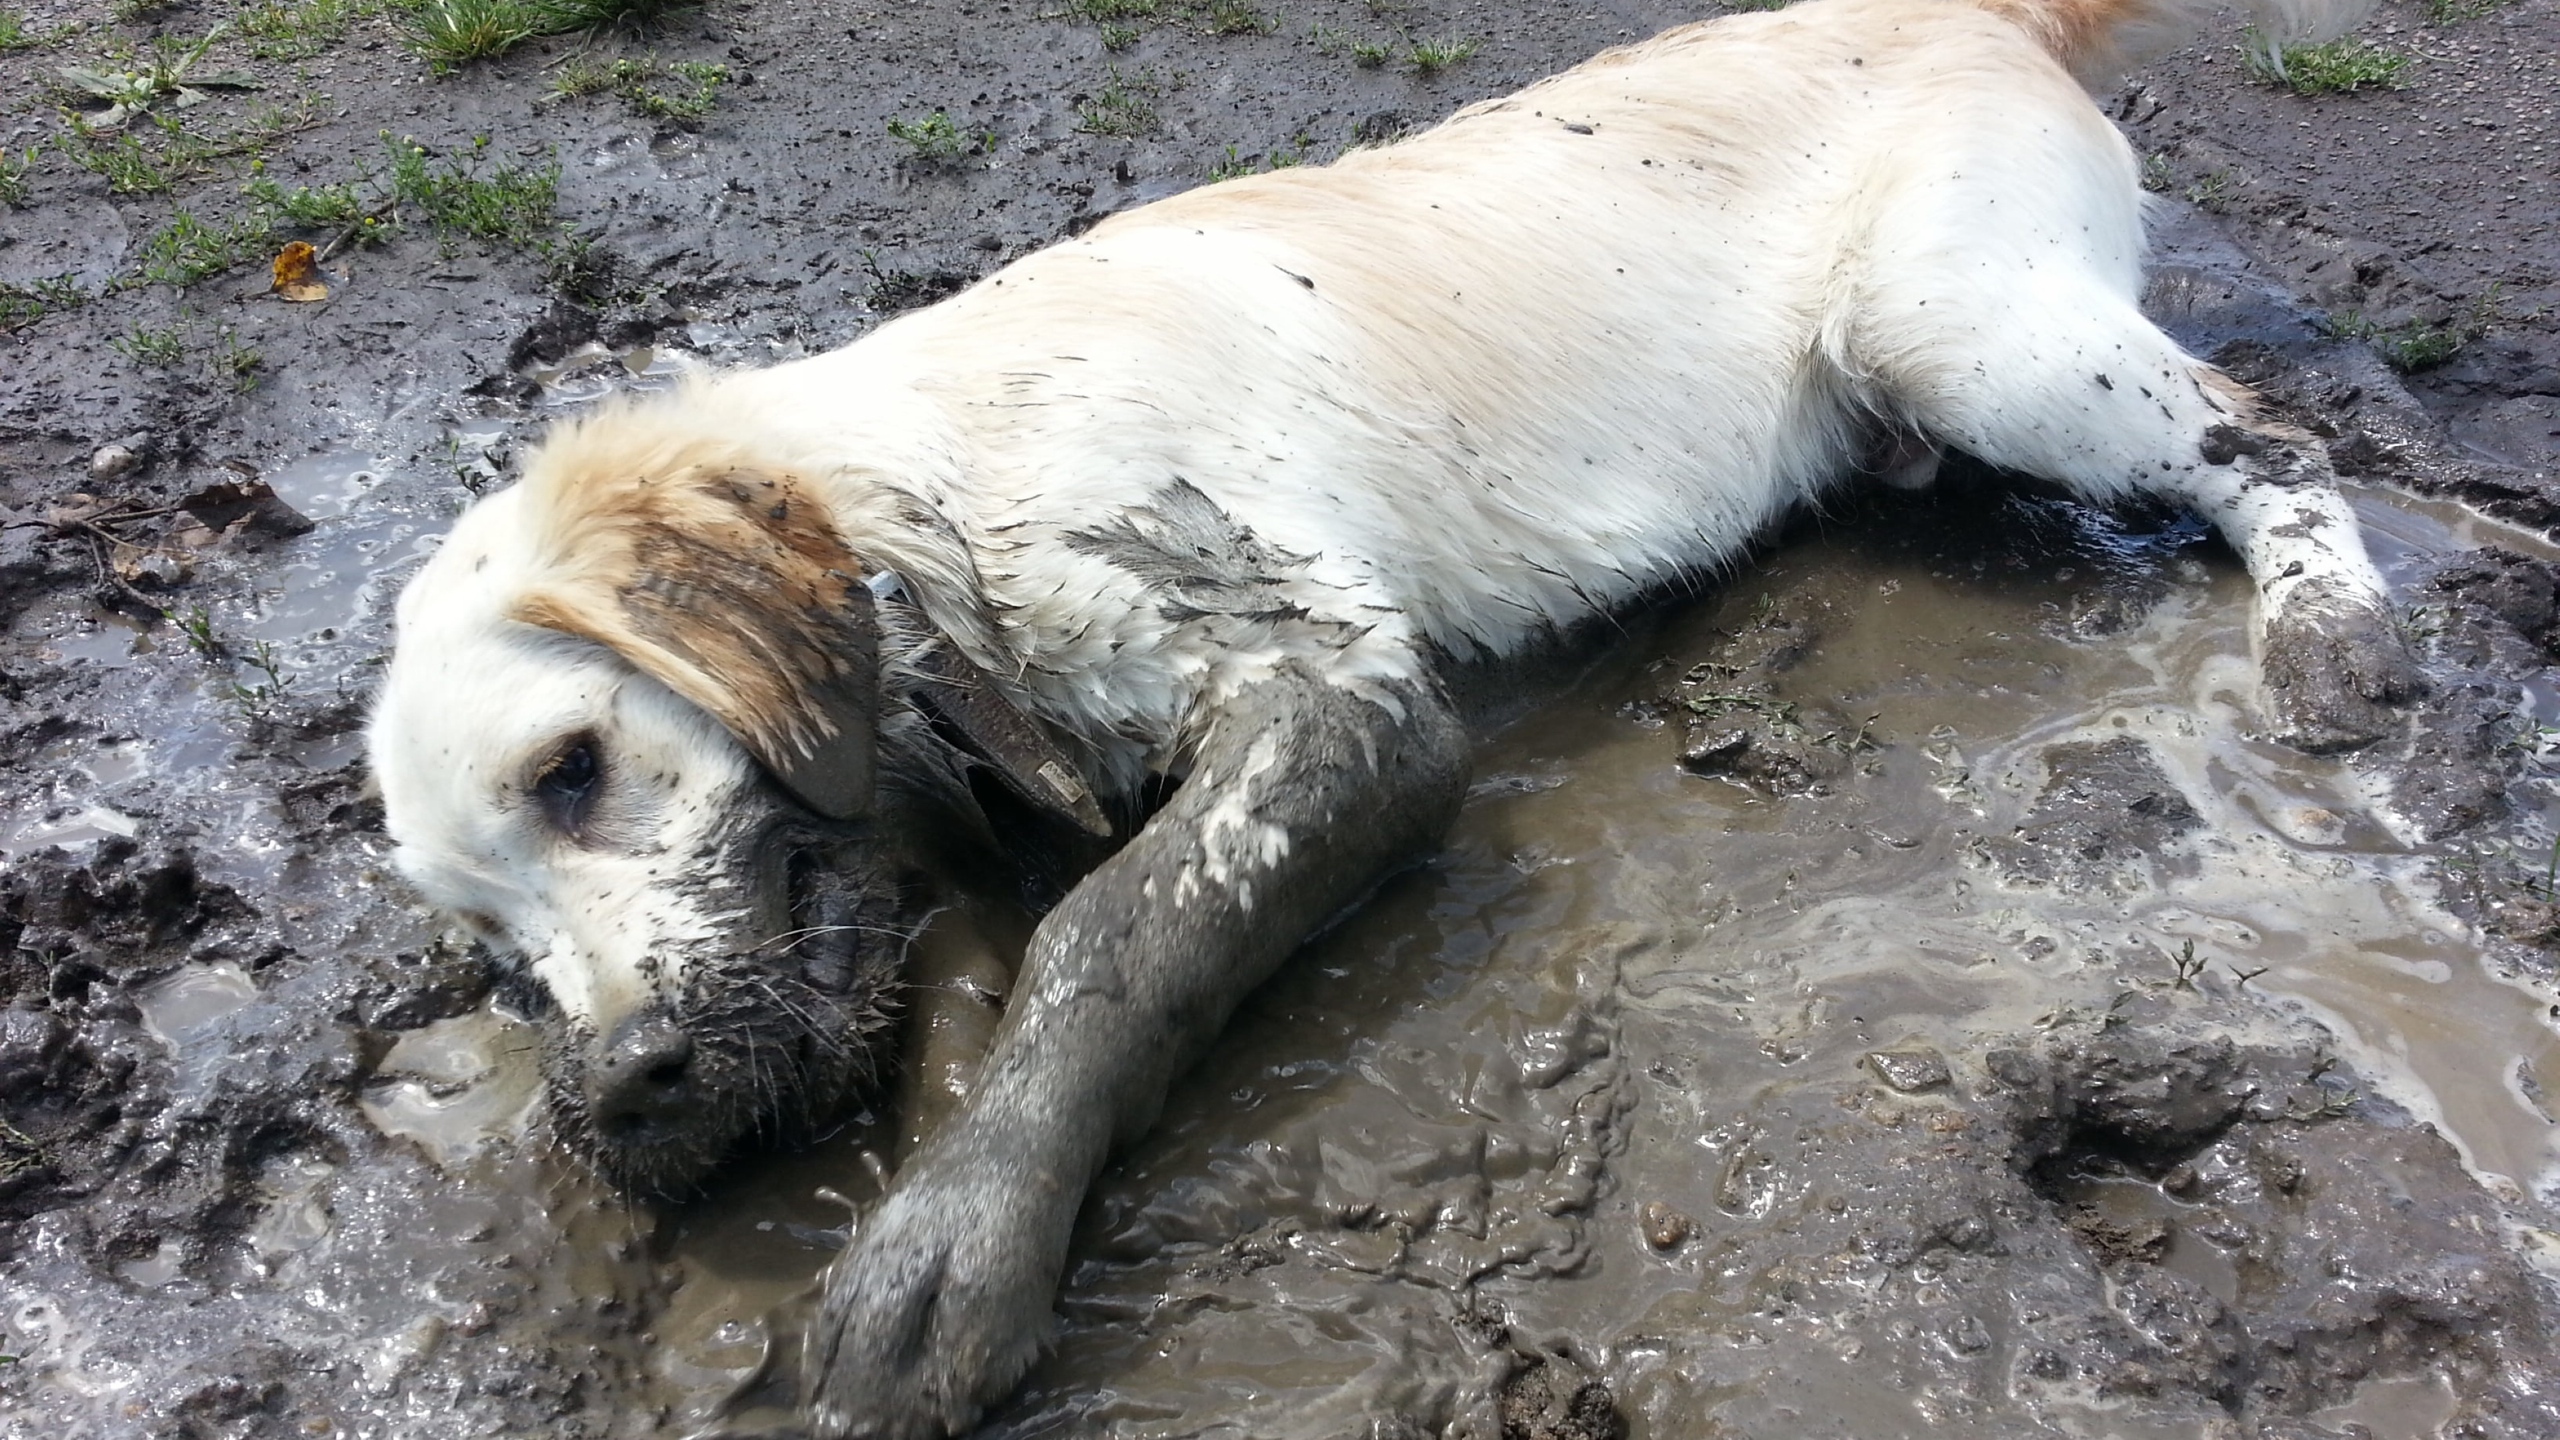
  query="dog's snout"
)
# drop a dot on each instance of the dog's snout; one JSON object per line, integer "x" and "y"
{"x": 639, "y": 1081}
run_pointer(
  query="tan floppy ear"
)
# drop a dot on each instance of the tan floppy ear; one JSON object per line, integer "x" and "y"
{"x": 733, "y": 590}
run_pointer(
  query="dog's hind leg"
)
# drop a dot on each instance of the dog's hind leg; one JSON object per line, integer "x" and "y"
{"x": 1302, "y": 794}
{"x": 2067, "y": 381}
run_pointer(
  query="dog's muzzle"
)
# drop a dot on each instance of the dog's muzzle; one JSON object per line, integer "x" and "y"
{"x": 639, "y": 1085}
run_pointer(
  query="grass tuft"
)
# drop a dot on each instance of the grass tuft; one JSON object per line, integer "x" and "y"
{"x": 26, "y": 304}
{"x": 696, "y": 87}
{"x": 511, "y": 204}
{"x": 313, "y": 207}
{"x": 453, "y": 33}
{"x": 2331, "y": 69}
{"x": 14, "y": 170}
{"x": 2454, "y": 12}
{"x": 2416, "y": 345}
{"x": 934, "y": 141}
{"x": 1235, "y": 164}
{"x": 187, "y": 249}
{"x": 159, "y": 349}
{"x": 1125, "y": 108}
{"x": 299, "y": 29}
{"x": 1236, "y": 17}
{"x": 1430, "y": 57}
{"x": 237, "y": 365}
{"x": 449, "y": 34}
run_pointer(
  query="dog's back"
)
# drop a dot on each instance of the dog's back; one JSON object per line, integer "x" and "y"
{"x": 1566, "y": 348}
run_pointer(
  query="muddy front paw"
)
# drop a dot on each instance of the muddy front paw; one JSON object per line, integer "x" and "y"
{"x": 938, "y": 1306}
{"x": 2336, "y": 676}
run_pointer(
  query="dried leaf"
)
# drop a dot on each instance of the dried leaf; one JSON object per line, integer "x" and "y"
{"x": 298, "y": 273}
{"x": 249, "y": 507}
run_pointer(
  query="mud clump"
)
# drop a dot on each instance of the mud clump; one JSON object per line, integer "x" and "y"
{"x": 1736, "y": 726}
{"x": 1553, "y": 1398}
{"x": 2485, "y": 617}
{"x": 2107, "y": 809}
{"x": 2272, "y": 1240}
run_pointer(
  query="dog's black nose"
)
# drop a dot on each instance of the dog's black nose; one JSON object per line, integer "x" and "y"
{"x": 637, "y": 1084}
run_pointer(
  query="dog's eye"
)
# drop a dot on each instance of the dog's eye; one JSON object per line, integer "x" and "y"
{"x": 566, "y": 788}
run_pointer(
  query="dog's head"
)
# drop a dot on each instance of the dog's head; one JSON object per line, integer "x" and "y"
{"x": 627, "y": 738}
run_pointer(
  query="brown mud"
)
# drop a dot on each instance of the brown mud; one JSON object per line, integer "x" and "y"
{"x": 1897, "y": 992}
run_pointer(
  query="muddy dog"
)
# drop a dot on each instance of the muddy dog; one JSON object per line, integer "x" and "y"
{"x": 1205, "y": 505}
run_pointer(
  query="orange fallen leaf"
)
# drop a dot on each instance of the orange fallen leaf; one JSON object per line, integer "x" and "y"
{"x": 298, "y": 273}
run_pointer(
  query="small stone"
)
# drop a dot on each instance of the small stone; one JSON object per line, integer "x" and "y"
{"x": 1664, "y": 1227}
{"x": 1714, "y": 752}
{"x": 112, "y": 461}
{"x": 1910, "y": 1069}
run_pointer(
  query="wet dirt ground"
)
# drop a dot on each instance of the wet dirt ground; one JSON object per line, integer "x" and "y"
{"x": 1894, "y": 991}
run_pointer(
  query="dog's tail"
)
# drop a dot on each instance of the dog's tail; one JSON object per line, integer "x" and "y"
{"x": 2098, "y": 40}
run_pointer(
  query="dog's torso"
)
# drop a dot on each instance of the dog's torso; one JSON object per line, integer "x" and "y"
{"x": 1449, "y": 396}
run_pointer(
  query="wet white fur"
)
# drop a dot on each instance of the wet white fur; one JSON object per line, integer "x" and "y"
{"x": 1571, "y": 347}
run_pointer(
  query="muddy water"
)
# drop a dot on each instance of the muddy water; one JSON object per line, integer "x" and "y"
{"x": 1588, "y": 1018}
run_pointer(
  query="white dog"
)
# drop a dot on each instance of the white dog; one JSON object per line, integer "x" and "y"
{"x": 1216, "y": 494}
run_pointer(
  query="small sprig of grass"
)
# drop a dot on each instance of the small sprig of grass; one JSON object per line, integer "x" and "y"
{"x": 14, "y": 170}
{"x": 933, "y": 140}
{"x": 1430, "y": 57}
{"x": 2454, "y": 12}
{"x": 299, "y": 29}
{"x": 257, "y": 698}
{"x": 187, "y": 249}
{"x": 195, "y": 626}
{"x": 22, "y": 305}
{"x": 2331, "y": 69}
{"x": 237, "y": 365}
{"x": 160, "y": 349}
{"x": 13, "y": 32}
{"x": 2187, "y": 967}
{"x": 312, "y": 207}
{"x": 1236, "y": 17}
{"x": 508, "y": 203}
{"x": 1235, "y": 164}
{"x": 129, "y": 169}
{"x": 2415, "y": 345}
{"x": 1125, "y": 108}
{"x": 696, "y": 91}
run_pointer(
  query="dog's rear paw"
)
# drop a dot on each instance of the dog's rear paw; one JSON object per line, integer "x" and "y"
{"x": 2335, "y": 678}
{"x": 933, "y": 1312}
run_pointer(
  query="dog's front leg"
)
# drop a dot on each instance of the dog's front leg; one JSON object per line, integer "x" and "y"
{"x": 1302, "y": 795}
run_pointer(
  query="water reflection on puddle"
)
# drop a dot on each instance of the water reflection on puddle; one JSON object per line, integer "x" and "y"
{"x": 457, "y": 1085}
{"x": 182, "y": 1006}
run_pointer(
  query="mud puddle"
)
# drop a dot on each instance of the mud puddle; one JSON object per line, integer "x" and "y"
{"x": 1546, "y": 1101}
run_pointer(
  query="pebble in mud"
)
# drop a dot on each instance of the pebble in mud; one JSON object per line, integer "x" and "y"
{"x": 110, "y": 461}
{"x": 1910, "y": 1069}
{"x": 1664, "y": 1227}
